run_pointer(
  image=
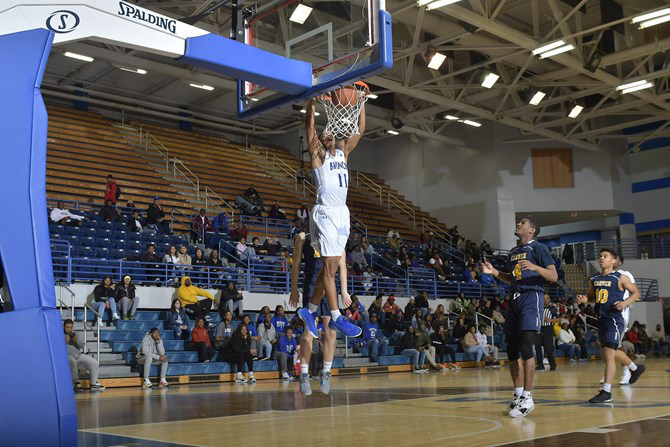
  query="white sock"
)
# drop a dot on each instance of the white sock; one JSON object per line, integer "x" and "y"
{"x": 239, "y": 375}
{"x": 518, "y": 391}
{"x": 632, "y": 366}
{"x": 312, "y": 307}
{"x": 251, "y": 374}
{"x": 335, "y": 314}
{"x": 327, "y": 366}
{"x": 526, "y": 395}
{"x": 626, "y": 369}
{"x": 607, "y": 387}
{"x": 304, "y": 368}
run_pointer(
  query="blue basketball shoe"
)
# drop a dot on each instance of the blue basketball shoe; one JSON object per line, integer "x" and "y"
{"x": 307, "y": 317}
{"x": 343, "y": 325}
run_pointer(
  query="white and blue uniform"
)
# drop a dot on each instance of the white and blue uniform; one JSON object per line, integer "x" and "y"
{"x": 329, "y": 223}
{"x": 626, "y": 312}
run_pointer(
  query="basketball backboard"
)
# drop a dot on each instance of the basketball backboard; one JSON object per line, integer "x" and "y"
{"x": 344, "y": 41}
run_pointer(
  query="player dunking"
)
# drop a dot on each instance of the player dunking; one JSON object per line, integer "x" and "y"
{"x": 531, "y": 266}
{"x": 607, "y": 290}
{"x": 329, "y": 220}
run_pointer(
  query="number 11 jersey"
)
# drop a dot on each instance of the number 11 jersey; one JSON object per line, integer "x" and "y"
{"x": 332, "y": 180}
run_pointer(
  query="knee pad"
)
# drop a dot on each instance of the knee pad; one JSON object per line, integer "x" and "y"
{"x": 527, "y": 344}
{"x": 513, "y": 346}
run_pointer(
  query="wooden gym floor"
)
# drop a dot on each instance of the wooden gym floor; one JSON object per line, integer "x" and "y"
{"x": 452, "y": 409}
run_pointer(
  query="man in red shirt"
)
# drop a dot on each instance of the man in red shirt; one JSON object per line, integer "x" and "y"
{"x": 110, "y": 189}
{"x": 201, "y": 342}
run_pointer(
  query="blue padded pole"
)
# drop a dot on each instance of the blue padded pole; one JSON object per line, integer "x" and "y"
{"x": 35, "y": 379}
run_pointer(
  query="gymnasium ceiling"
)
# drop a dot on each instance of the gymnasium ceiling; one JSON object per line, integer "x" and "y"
{"x": 478, "y": 36}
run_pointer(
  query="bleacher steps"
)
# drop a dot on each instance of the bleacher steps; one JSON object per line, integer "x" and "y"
{"x": 354, "y": 362}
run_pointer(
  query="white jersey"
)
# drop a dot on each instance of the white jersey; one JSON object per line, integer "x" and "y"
{"x": 332, "y": 180}
{"x": 626, "y": 294}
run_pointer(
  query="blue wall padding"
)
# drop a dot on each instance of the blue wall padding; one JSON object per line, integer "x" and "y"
{"x": 248, "y": 63}
{"x": 35, "y": 384}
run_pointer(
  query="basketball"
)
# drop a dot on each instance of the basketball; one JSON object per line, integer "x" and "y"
{"x": 345, "y": 96}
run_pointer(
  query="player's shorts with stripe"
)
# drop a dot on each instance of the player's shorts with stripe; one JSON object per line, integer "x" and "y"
{"x": 610, "y": 331}
{"x": 329, "y": 229}
{"x": 524, "y": 313}
{"x": 626, "y": 318}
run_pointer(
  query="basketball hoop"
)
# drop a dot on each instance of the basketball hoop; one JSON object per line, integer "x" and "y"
{"x": 343, "y": 107}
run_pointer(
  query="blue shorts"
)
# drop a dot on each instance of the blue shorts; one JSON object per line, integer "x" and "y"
{"x": 524, "y": 313}
{"x": 610, "y": 331}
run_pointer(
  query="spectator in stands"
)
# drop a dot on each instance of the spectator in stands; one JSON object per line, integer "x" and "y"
{"x": 178, "y": 320}
{"x": 272, "y": 246}
{"x": 126, "y": 297}
{"x": 276, "y": 212}
{"x": 422, "y": 303}
{"x": 130, "y": 207}
{"x": 286, "y": 347}
{"x": 408, "y": 347}
{"x": 104, "y": 293}
{"x": 156, "y": 217}
{"x": 224, "y": 330}
{"x": 487, "y": 310}
{"x": 149, "y": 259}
{"x": 62, "y": 216}
{"x": 200, "y": 342}
{"x": 491, "y": 350}
{"x": 303, "y": 214}
{"x": 368, "y": 274}
{"x": 232, "y": 299}
{"x": 279, "y": 321}
{"x": 152, "y": 352}
{"x": 112, "y": 191}
{"x": 172, "y": 258}
{"x": 460, "y": 329}
{"x": 238, "y": 352}
{"x": 423, "y": 344}
{"x": 395, "y": 326}
{"x": 435, "y": 262}
{"x": 199, "y": 225}
{"x": 633, "y": 338}
{"x": 645, "y": 340}
{"x": 377, "y": 309}
{"x": 410, "y": 308}
{"x": 243, "y": 252}
{"x": 357, "y": 257}
{"x": 461, "y": 303}
{"x": 440, "y": 341}
{"x": 265, "y": 312}
{"x": 108, "y": 212}
{"x": 135, "y": 223}
{"x": 374, "y": 339}
{"x": 220, "y": 224}
{"x": 239, "y": 231}
{"x": 216, "y": 264}
{"x": 75, "y": 344}
{"x": 252, "y": 195}
{"x": 471, "y": 344}
{"x": 391, "y": 234}
{"x": 485, "y": 248}
{"x": 390, "y": 307}
{"x": 361, "y": 309}
{"x": 368, "y": 248}
{"x": 268, "y": 338}
{"x": 255, "y": 338}
{"x": 394, "y": 243}
{"x": 199, "y": 259}
{"x": 354, "y": 315}
{"x": 439, "y": 318}
{"x": 566, "y": 343}
{"x": 184, "y": 257}
{"x": 568, "y": 254}
{"x": 659, "y": 345}
{"x": 188, "y": 295}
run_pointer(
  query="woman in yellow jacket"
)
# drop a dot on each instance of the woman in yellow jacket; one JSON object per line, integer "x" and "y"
{"x": 188, "y": 295}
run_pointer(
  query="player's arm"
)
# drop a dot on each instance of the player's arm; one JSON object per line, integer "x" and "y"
{"x": 504, "y": 277}
{"x": 351, "y": 142}
{"x": 549, "y": 273}
{"x": 346, "y": 299}
{"x": 316, "y": 149}
{"x": 632, "y": 289}
{"x": 590, "y": 295}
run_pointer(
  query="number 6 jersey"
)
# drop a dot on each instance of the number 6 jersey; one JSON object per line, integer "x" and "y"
{"x": 525, "y": 280}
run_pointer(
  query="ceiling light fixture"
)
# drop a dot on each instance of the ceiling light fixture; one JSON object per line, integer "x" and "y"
{"x": 81, "y": 57}
{"x": 576, "y": 110}
{"x": 489, "y": 80}
{"x": 537, "y": 97}
{"x": 648, "y": 17}
{"x": 373, "y": 96}
{"x": 440, "y": 3}
{"x": 209, "y": 88}
{"x": 555, "y": 51}
{"x": 134, "y": 70}
{"x": 436, "y": 61}
{"x": 631, "y": 84}
{"x": 451, "y": 117}
{"x": 549, "y": 46}
{"x": 637, "y": 87}
{"x": 472, "y": 123}
{"x": 392, "y": 132}
{"x": 300, "y": 14}
{"x": 653, "y": 22}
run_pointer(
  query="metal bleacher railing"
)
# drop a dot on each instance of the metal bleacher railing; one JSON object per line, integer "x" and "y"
{"x": 644, "y": 247}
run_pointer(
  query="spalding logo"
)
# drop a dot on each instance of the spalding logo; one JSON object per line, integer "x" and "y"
{"x": 63, "y": 21}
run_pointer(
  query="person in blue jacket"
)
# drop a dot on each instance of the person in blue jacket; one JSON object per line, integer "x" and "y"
{"x": 286, "y": 347}
{"x": 374, "y": 339}
{"x": 178, "y": 321}
{"x": 279, "y": 321}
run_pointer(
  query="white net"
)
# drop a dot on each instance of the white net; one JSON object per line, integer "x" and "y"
{"x": 343, "y": 107}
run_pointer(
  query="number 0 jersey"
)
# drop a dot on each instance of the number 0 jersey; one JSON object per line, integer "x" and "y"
{"x": 526, "y": 280}
{"x": 332, "y": 180}
{"x": 607, "y": 292}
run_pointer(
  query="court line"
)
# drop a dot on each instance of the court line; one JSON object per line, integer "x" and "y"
{"x": 92, "y": 431}
{"x": 573, "y": 431}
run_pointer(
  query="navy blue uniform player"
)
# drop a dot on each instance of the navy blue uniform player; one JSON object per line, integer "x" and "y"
{"x": 607, "y": 290}
{"x": 530, "y": 265}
